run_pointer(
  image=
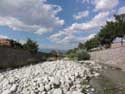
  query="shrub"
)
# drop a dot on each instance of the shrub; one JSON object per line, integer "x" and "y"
{"x": 82, "y": 55}
{"x": 51, "y": 59}
{"x": 72, "y": 56}
{"x": 79, "y": 55}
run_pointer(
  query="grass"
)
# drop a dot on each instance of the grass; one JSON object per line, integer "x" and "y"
{"x": 84, "y": 84}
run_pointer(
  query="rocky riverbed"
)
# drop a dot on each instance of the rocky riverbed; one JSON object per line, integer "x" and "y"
{"x": 57, "y": 77}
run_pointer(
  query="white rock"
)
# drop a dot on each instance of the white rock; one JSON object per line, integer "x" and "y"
{"x": 47, "y": 87}
{"x": 5, "y": 82}
{"x": 96, "y": 74}
{"x": 56, "y": 81}
{"x": 55, "y": 77}
{"x": 92, "y": 89}
{"x": 9, "y": 91}
{"x": 57, "y": 91}
{"x": 76, "y": 92}
{"x": 13, "y": 88}
{"x": 6, "y": 92}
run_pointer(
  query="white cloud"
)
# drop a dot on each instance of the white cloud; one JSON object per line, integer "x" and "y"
{"x": 3, "y": 36}
{"x": 85, "y": 1}
{"x": 84, "y": 39}
{"x": 15, "y": 24}
{"x": 30, "y": 15}
{"x": 90, "y": 36}
{"x": 57, "y": 37}
{"x": 57, "y": 46}
{"x": 81, "y": 15}
{"x": 67, "y": 36}
{"x": 105, "y": 4}
{"x": 42, "y": 31}
{"x": 70, "y": 41}
{"x": 97, "y": 21}
{"x": 22, "y": 41}
{"x": 121, "y": 10}
{"x": 67, "y": 42}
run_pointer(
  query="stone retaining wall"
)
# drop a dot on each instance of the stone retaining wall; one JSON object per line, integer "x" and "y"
{"x": 114, "y": 57}
{"x": 10, "y": 57}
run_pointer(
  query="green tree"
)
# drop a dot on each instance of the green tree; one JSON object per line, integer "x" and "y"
{"x": 120, "y": 26}
{"x": 16, "y": 44}
{"x": 107, "y": 34}
{"x": 81, "y": 46}
{"x": 31, "y": 46}
{"x": 53, "y": 53}
{"x": 112, "y": 30}
{"x": 92, "y": 43}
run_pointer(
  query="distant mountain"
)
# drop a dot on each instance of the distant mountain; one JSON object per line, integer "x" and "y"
{"x": 49, "y": 50}
{"x": 45, "y": 50}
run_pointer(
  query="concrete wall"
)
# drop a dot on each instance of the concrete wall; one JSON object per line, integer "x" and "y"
{"x": 115, "y": 57}
{"x": 10, "y": 57}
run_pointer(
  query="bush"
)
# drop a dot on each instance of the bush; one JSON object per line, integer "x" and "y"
{"x": 79, "y": 55}
{"x": 51, "y": 59}
{"x": 82, "y": 55}
{"x": 72, "y": 56}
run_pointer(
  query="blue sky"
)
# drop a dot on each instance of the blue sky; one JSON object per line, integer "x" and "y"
{"x": 56, "y": 24}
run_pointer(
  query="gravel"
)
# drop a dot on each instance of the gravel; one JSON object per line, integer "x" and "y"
{"x": 57, "y": 77}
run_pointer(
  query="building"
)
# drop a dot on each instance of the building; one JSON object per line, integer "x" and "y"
{"x": 5, "y": 42}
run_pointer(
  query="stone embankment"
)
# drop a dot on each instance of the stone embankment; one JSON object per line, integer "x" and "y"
{"x": 57, "y": 77}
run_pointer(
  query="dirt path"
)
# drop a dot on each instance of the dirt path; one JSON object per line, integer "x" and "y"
{"x": 111, "y": 81}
